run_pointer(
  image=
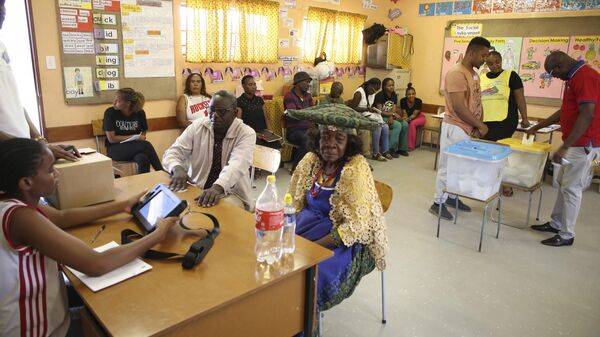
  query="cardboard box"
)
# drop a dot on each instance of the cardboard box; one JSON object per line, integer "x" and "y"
{"x": 85, "y": 182}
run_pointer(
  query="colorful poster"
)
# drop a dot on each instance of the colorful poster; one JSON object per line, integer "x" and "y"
{"x": 75, "y": 20}
{"x": 547, "y": 5}
{"x": 482, "y": 6}
{"x": 503, "y": 6}
{"x": 592, "y": 4}
{"x": 148, "y": 47}
{"x": 586, "y": 48}
{"x": 462, "y": 7}
{"x": 572, "y": 5}
{"x": 510, "y": 49}
{"x": 536, "y": 81}
{"x": 78, "y": 82}
{"x": 454, "y": 52}
{"x": 443, "y": 8}
{"x": 427, "y": 9}
{"x": 524, "y": 6}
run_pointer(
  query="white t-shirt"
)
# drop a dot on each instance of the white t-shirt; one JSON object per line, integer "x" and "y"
{"x": 196, "y": 107}
{"x": 364, "y": 104}
{"x": 12, "y": 115}
{"x": 33, "y": 296}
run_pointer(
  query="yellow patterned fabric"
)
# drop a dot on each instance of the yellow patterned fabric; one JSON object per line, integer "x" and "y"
{"x": 400, "y": 50}
{"x": 223, "y": 31}
{"x": 259, "y": 31}
{"x": 356, "y": 210}
{"x": 338, "y": 34}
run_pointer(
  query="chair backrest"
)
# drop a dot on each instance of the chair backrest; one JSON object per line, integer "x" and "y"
{"x": 98, "y": 131}
{"x": 266, "y": 158}
{"x": 386, "y": 194}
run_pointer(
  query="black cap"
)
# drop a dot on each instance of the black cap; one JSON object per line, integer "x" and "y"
{"x": 301, "y": 76}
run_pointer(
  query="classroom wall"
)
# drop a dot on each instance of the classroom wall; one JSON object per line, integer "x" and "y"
{"x": 428, "y": 35}
{"x": 58, "y": 114}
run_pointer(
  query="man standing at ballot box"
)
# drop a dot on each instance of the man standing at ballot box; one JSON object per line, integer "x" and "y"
{"x": 579, "y": 118}
{"x": 219, "y": 149}
{"x": 14, "y": 120}
{"x": 462, "y": 118}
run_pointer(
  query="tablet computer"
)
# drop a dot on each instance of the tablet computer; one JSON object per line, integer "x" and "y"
{"x": 158, "y": 203}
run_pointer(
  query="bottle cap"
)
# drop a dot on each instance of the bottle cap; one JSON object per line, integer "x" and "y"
{"x": 287, "y": 199}
{"x": 271, "y": 179}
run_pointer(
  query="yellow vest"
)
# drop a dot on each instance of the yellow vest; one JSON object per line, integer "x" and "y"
{"x": 494, "y": 96}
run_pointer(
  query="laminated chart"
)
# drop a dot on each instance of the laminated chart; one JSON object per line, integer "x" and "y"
{"x": 148, "y": 38}
{"x": 536, "y": 81}
{"x": 586, "y": 48}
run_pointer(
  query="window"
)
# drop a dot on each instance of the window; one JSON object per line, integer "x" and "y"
{"x": 338, "y": 34}
{"x": 244, "y": 32}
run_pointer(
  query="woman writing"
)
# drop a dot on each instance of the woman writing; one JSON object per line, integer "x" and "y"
{"x": 33, "y": 245}
{"x": 362, "y": 101}
{"x": 125, "y": 125}
{"x": 194, "y": 102}
{"x": 386, "y": 100}
{"x": 411, "y": 112}
{"x": 339, "y": 209}
{"x": 502, "y": 94}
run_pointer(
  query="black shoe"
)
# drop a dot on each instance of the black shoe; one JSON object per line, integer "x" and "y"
{"x": 545, "y": 228}
{"x": 461, "y": 206}
{"x": 445, "y": 213}
{"x": 557, "y": 241}
{"x": 394, "y": 154}
{"x": 403, "y": 153}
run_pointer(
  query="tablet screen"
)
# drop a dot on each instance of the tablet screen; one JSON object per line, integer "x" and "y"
{"x": 159, "y": 206}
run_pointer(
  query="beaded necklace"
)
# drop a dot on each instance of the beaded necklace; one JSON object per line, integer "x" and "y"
{"x": 314, "y": 192}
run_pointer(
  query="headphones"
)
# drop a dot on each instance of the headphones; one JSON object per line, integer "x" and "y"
{"x": 195, "y": 254}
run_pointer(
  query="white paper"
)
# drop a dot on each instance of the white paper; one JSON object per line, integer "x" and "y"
{"x": 289, "y": 22}
{"x": 120, "y": 274}
{"x": 284, "y": 43}
{"x": 132, "y": 138}
{"x": 86, "y": 150}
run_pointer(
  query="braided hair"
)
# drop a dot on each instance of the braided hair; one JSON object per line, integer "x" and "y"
{"x": 20, "y": 157}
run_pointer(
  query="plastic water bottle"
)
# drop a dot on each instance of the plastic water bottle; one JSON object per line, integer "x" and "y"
{"x": 289, "y": 225}
{"x": 269, "y": 224}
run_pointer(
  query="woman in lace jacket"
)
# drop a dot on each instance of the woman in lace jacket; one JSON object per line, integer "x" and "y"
{"x": 339, "y": 208}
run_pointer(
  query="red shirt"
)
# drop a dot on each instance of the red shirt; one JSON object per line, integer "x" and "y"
{"x": 582, "y": 87}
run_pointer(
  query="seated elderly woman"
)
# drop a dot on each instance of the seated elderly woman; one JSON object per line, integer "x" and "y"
{"x": 339, "y": 208}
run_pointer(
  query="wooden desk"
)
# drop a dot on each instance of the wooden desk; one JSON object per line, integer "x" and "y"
{"x": 229, "y": 294}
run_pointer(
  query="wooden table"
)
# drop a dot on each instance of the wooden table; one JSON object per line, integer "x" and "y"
{"x": 228, "y": 294}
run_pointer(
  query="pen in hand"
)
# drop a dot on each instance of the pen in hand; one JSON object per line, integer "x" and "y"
{"x": 98, "y": 233}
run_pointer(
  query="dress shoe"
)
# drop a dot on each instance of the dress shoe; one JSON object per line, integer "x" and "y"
{"x": 557, "y": 241}
{"x": 545, "y": 228}
{"x": 461, "y": 206}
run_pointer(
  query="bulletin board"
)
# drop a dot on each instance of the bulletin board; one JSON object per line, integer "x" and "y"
{"x": 110, "y": 44}
{"x": 524, "y": 44}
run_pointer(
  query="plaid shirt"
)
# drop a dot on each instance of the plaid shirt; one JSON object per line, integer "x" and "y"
{"x": 293, "y": 101}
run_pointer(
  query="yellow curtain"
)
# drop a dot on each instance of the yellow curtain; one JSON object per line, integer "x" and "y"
{"x": 258, "y": 31}
{"x": 338, "y": 34}
{"x": 208, "y": 31}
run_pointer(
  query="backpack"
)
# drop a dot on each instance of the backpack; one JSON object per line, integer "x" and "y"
{"x": 371, "y": 34}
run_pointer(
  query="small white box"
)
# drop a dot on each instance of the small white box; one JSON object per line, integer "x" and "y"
{"x": 475, "y": 168}
{"x": 88, "y": 181}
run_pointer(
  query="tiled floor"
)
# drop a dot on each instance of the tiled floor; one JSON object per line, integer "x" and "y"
{"x": 444, "y": 287}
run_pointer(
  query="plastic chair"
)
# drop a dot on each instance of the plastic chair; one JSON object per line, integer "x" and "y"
{"x": 265, "y": 158}
{"x": 98, "y": 132}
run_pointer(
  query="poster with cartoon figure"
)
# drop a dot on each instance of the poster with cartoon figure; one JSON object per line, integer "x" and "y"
{"x": 78, "y": 82}
{"x": 536, "y": 81}
{"x": 586, "y": 48}
{"x": 510, "y": 49}
{"x": 454, "y": 52}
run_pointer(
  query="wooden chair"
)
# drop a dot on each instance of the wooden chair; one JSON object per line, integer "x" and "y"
{"x": 386, "y": 194}
{"x": 265, "y": 158}
{"x": 98, "y": 131}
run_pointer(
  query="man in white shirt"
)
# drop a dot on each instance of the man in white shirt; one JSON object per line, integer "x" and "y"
{"x": 14, "y": 121}
{"x": 219, "y": 149}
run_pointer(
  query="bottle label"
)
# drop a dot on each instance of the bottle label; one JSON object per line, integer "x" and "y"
{"x": 269, "y": 221}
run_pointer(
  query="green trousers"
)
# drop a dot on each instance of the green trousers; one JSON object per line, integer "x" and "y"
{"x": 399, "y": 136}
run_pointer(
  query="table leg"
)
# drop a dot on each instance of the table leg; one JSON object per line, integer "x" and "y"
{"x": 439, "y": 218}
{"x": 455, "y": 209}
{"x": 499, "y": 215}
{"x": 309, "y": 300}
{"x": 528, "y": 210}
{"x": 537, "y": 218}
{"x": 482, "y": 225}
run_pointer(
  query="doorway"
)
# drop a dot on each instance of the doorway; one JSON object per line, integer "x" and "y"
{"x": 15, "y": 36}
